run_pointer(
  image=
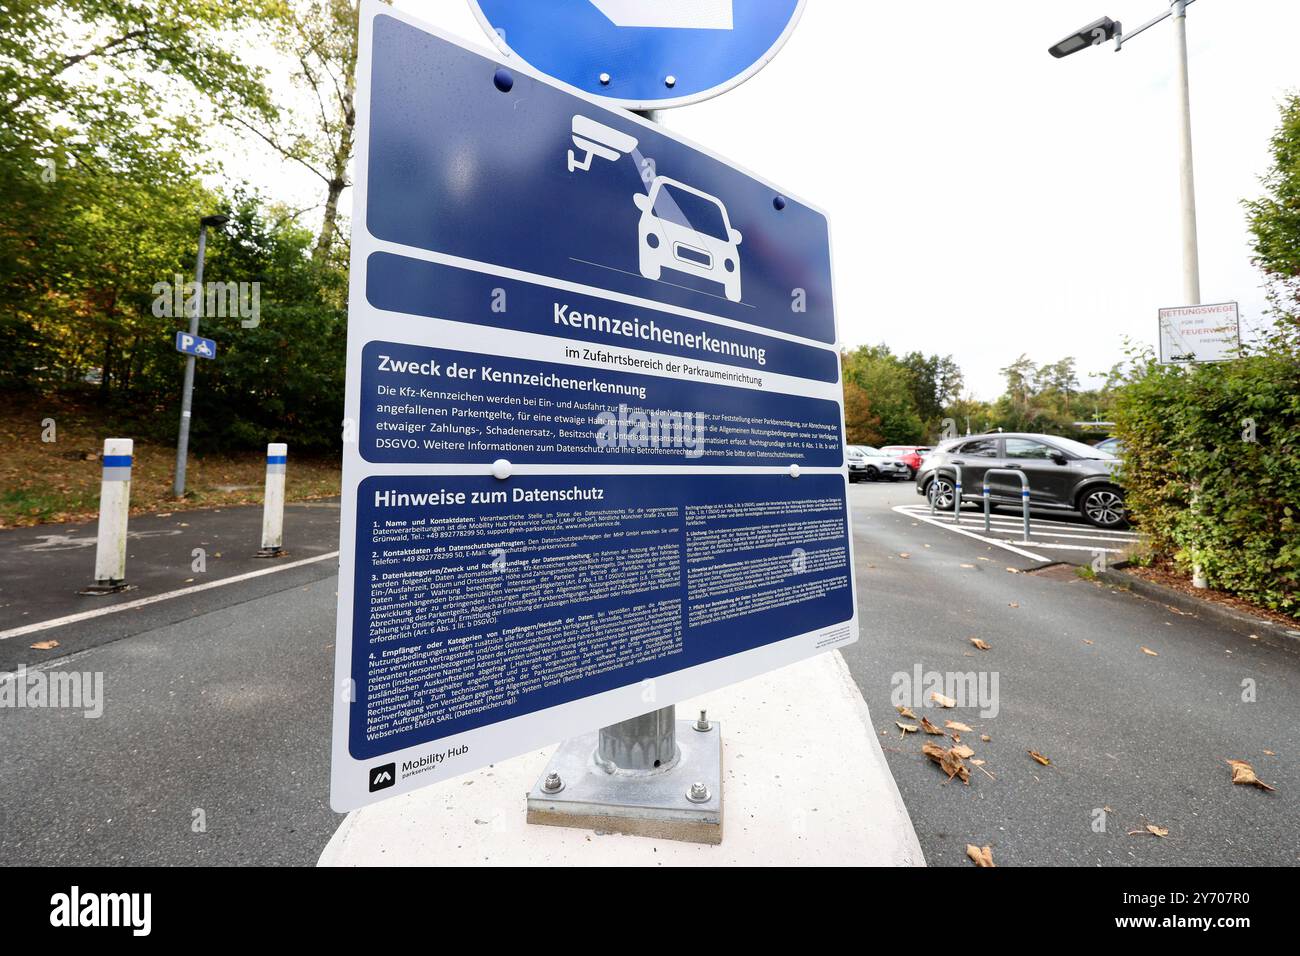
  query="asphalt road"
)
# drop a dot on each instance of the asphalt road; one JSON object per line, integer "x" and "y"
{"x": 1146, "y": 737}
{"x": 216, "y": 707}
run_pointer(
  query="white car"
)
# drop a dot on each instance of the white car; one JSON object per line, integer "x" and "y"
{"x": 872, "y": 464}
{"x": 687, "y": 230}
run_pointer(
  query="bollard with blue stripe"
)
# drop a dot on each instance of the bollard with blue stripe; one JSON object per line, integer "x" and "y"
{"x": 277, "y": 463}
{"x": 114, "y": 509}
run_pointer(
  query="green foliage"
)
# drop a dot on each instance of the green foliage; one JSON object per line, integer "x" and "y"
{"x": 1275, "y": 217}
{"x": 1201, "y": 490}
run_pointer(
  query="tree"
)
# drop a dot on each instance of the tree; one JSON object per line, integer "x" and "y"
{"x": 936, "y": 381}
{"x": 320, "y": 38}
{"x": 1275, "y": 217}
{"x": 862, "y": 427}
{"x": 888, "y": 387}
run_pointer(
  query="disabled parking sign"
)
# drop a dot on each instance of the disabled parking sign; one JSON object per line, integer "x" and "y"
{"x": 594, "y": 437}
{"x": 643, "y": 54}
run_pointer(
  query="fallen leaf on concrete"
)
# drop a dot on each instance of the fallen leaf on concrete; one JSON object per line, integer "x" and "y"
{"x": 906, "y": 728}
{"x": 905, "y": 712}
{"x": 985, "y": 737}
{"x": 968, "y": 565}
{"x": 1013, "y": 570}
{"x": 948, "y": 761}
{"x": 1087, "y": 642}
{"x": 961, "y": 750}
{"x": 1149, "y": 652}
{"x": 930, "y": 728}
{"x": 1040, "y": 758}
{"x": 980, "y": 644}
{"x": 1014, "y": 604}
{"x": 1244, "y": 773}
{"x": 45, "y": 645}
{"x": 980, "y": 856}
{"x": 958, "y": 726}
{"x": 941, "y": 700}
{"x": 1152, "y": 829}
{"x": 904, "y": 555}
{"x": 977, "y": 763}
{"x": 1269, "y": 753}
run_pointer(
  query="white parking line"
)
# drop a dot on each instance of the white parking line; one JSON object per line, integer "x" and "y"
{"x": 142, "y": 602}
{"x": 923, "y": 514}
{"x": 902, "y": 509}
{"x": 1038, "y": 524}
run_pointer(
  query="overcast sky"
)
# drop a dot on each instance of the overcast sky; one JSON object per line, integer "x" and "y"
{"x": 987, "y": 199}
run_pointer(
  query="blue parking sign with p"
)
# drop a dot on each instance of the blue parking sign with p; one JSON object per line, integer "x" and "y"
{"x": 195, "y": 345}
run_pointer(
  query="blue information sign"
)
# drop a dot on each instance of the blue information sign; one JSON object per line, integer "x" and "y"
{"x": 195, "y": 345}
{"x": 643, "y": 54}
{"x": 594, "y": 423}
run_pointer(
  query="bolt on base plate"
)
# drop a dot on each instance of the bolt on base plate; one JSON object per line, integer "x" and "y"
{"x": 271, "y": 553}
{"x": 663, "y": 805}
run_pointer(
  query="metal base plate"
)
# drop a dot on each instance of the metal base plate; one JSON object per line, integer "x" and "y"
{"x": 271, "y": 553}
{"x": 653, "y": 805}
{"x": 108, "y": 587}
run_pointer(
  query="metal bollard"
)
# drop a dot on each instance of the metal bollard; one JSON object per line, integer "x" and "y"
{"x": 114, "y": 509}
{"x": 1024, "y": 495}
{"x": 277, "y": 462}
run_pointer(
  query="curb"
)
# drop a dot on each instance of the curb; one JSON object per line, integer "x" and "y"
{"x": 1268, "y": 632}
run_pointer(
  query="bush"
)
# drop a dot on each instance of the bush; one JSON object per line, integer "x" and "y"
{"x": 1212, "y": 469}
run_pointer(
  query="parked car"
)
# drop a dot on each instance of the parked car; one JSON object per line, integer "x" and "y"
{"x": 1111, "y": 446}
{"x": 1064, "y": 475}
{"x": 872, "y": 464}
{"x": 910, "y": 455}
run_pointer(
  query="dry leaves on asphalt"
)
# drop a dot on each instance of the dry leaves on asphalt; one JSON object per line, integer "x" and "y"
{"x": 941, "y": 700}
{"x": 905, "y": 712}
{"x": 980, "y": 644}
{"x": 1152, "y": 829}
{"x": 904, "y": 555}
{"x": 1013, "y": 604}
{"x": 961, "y": 750}
{"x": 906, "y": 728}
{"x": 1244, "y": 773}
{"x": 957, "y": 726}
{"x": 980, "y": 856}
{"x": 1149, "y": 652}
{"x": 930, "y": 728}
{"x": 985, "y": 737}
{"x": 45, "y": 645}
{"x": 1040, "y": 758}
{"x": 948, "y": 761}
{"x": 1013, "y": 570}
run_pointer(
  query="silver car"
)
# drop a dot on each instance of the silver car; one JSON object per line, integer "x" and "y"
{"x": 872, "y": 464}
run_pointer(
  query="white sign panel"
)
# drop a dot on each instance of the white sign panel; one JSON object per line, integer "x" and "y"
{"x": 1199, "y": 333}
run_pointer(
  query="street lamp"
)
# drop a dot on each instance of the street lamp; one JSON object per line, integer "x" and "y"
{"x": 215, "y": 221}
{"x": 1107, "y": 29}
{"x": 1094, "y": 34}
{"x": 1191, "y": 252}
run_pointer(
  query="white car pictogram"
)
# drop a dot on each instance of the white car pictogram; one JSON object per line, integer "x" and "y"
{"x": 687, "y": 230}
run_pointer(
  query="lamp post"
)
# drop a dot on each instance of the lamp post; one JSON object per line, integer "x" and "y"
{"x": 1105, "y": 29}
{"x": 187, "y": 391}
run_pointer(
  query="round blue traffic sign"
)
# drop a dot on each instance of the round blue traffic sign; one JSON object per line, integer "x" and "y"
{"x": 643, "y": 54}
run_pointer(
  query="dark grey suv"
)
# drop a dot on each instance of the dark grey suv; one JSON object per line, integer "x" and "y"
{"x": 1064, "y": 475}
